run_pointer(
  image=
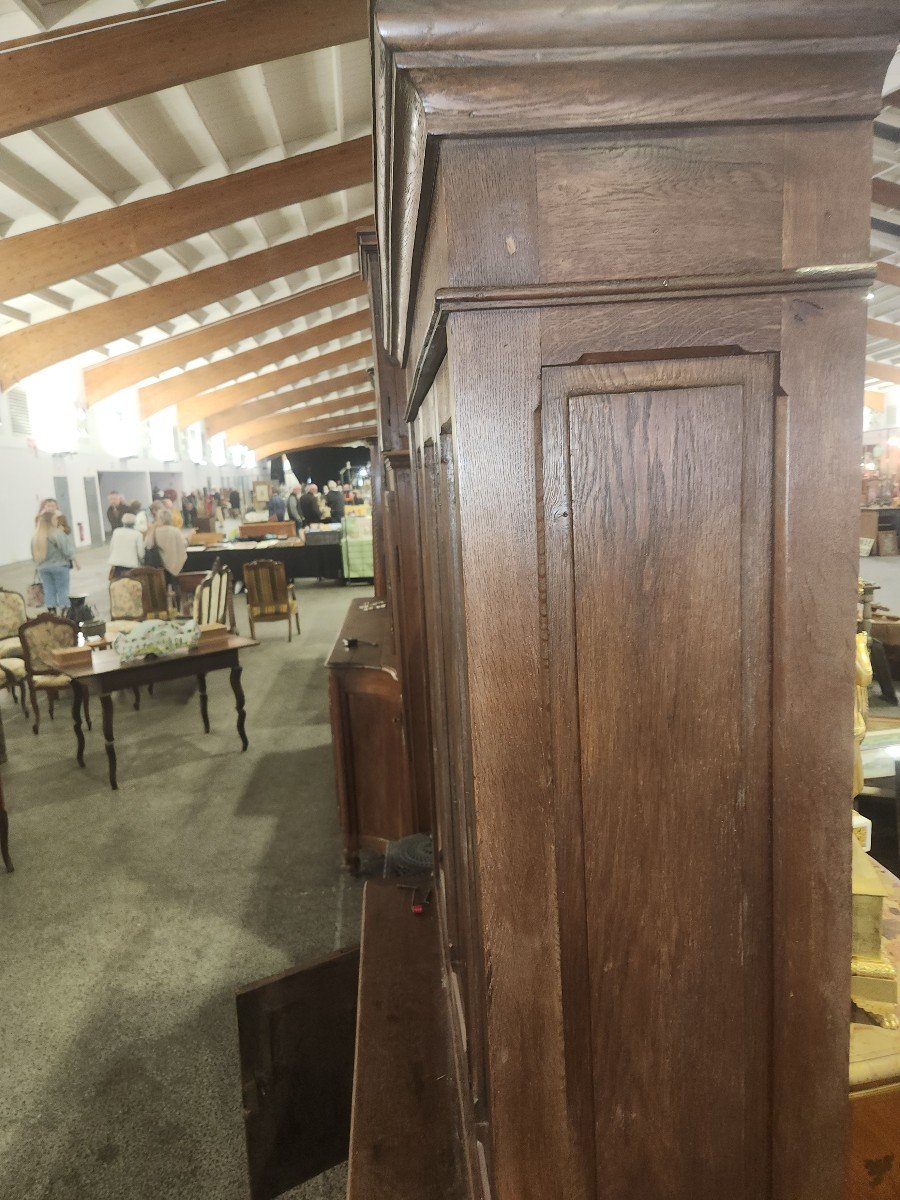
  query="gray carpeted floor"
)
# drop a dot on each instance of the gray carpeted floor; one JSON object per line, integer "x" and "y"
{"x": 132, "y": 917}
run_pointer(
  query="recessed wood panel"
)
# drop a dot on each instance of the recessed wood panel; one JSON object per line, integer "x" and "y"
{"x": 658, "y": 515}
{"x": 687, "y": 204}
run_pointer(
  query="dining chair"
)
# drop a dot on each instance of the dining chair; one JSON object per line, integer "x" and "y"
{"x": 12, "y": 679}
{"x": 214, "y": 598}
{"x": 269, "y": 595}
{"x": 157, "y": 601}
{"x": 126, "y": 605}
{"x": 12, "y": 614}
{"x": 40, "y": 636}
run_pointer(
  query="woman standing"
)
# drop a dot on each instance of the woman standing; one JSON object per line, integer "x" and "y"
{"x": 170, "y": 542}
{"x": 53, "y": 549}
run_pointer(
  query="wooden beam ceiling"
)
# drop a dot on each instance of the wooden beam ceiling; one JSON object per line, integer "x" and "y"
{"x": 884, "y": 371}
{"x": 242, "y": 414}
{"x": 68, "y": 249}
{"x": 37, "y": 346}
{"x": 200, "y": 408}
{"x": 883, "y": 329}
{"x": 125, "y": 370}
{"x": 56, "y": 75}
{"x": 886, "y": 272}
{"x": 156, "y": 396}
{"x": 340, "y": 438}
{"x": 239, "y": 434}
{"x": 309, "y": 428}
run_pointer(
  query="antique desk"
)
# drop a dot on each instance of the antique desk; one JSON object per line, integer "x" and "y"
{"x": 106, "y": 674}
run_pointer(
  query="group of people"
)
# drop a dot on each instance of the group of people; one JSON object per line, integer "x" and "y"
{"x": 53, "y": 551}
{"x": 146, "y": 537}
{"x": 215, "y": 505}
{"x": 308, "y": 506}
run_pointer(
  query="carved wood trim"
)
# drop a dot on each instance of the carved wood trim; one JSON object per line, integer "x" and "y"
{"x": 438, "y": 73}
{"x": 450, "y": 300}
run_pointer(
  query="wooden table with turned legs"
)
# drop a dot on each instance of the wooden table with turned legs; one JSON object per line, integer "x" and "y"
{"x": 107, "y": 674}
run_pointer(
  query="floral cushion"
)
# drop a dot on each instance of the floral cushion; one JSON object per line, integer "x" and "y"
{"x": 44, "y": 637}
{"x": 113, "y": 627}
{"x": 12, "y": 613}
{"x": 10, "y": 647}
{"x": 51, "y": 681}
{"x": 13, "y": 667}
{"x": 126, "y": 599}
{"x": 155, "y": 637}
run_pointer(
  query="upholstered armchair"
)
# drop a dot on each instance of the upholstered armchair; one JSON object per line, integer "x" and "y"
{"x": 12, "y": 614}
{"x": 126, "y": 605}
{"x": 40, "y": 637}
{"x": 214, "y": 599}
{"x": 12, "y": 679}
{"x": 269, "y": 595}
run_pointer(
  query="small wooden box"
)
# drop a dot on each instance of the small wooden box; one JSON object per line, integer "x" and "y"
{"x": 210, "y": 635}
{"x": 75, "y": 656}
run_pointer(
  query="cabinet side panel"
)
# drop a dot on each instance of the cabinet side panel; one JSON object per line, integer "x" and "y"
{"x": 495, "y": 372}
{"x": 817, "y": 530}
{"x": 671, "y": 564}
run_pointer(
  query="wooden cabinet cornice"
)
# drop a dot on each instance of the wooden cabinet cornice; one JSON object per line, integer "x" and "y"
{"x": 465, "y": 70}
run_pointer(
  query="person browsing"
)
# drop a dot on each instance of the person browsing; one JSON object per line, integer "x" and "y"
{"x": 126, "y": 548}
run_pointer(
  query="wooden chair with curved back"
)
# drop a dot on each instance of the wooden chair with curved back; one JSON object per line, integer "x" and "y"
{"x": 40, "y": 636}
{"x": 13, "y": 613}
{"x": 158, "y": 604}
{"x": 214, "y": 598}
{"x": 269, "y": 595}
{"x": 126, "y": 605}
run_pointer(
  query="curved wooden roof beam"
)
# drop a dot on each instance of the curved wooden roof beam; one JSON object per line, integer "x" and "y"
{"x": 55, "y": 75}
{"x": 310, "y": 428}
{"x": 156, "y": 396}
{"x": 243, "y": 414}
{"x": 238, "y": 434}
{"x": 125, "y": 370}
{"x": 37, "y": 346}
{"x": 31, "y": 261}
{"x": 199, "y": 408}
{"x": 339, "y": 438}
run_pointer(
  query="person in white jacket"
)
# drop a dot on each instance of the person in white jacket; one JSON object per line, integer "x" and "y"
{"x": 126, "y": 548}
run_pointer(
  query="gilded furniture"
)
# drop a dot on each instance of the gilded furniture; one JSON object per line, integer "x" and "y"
{"x": 40, "y": 637}
{"x": 875, "y": 1081}
{"x": 214, "y": 599}
{"x": 371, "y": 764}
{"x": 269, "y": 595}
{"x": 13, "y": 613}
{"x": 106, "y": 674}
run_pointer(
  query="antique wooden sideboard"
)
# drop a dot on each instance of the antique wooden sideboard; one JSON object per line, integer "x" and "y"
{"x": 620, "y": 284}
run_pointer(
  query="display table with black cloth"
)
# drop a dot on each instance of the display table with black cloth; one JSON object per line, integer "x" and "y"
{"x": 316, "y": 561}
{"x": 106, "y": 673}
